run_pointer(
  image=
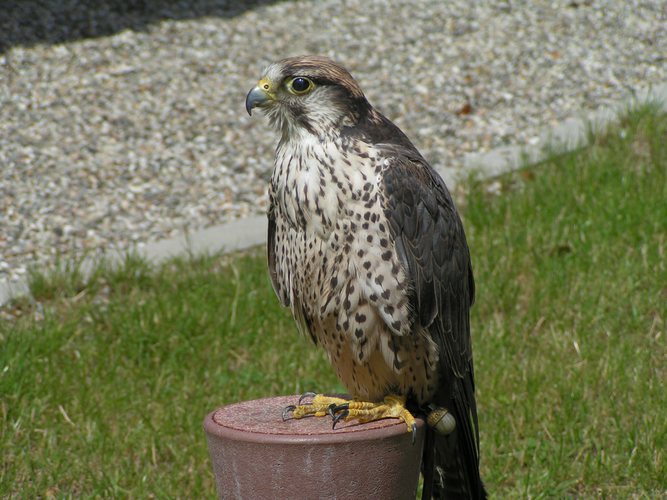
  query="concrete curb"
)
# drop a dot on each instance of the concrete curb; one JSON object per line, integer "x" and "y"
{"x": 567, "y": 136}
{"x": 246, "y": 233}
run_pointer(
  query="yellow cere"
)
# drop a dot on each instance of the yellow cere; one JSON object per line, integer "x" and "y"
{"x": 265, "y": 84}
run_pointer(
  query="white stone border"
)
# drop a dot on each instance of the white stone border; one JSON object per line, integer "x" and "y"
{"x": 246, "y": 233}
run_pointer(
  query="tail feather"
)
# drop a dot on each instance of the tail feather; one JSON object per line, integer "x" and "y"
{"x": 455, "y": 465}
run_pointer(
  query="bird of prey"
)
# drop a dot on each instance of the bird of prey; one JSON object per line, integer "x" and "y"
{"x": 366, "y": 248}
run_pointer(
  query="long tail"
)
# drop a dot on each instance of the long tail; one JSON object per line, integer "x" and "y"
{"x": 451, "y": 461}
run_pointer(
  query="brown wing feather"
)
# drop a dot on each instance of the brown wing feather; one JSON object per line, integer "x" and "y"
{"x": 271, "y": 258}
{"x": 431, "y": 243}
{"x": 432, "y": 246}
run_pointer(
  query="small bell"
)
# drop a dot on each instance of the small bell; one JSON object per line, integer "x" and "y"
{"x": 441, "y": 420}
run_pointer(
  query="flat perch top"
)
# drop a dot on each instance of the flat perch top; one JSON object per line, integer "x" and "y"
{"x": 261, "y": 420}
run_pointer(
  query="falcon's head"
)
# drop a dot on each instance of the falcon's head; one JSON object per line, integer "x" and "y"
{"x": 308, "y": 94}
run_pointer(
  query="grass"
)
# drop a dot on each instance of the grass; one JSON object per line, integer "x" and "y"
{"x": 104, "y": 383}
{"x": 570, "y": 319}
{"x": 105, "y": 393}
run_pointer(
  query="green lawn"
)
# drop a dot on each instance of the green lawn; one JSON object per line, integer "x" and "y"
{"x": 104, "y": 385}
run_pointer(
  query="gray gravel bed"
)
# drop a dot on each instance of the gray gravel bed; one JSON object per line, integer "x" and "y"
{"x": 110, "y": 142}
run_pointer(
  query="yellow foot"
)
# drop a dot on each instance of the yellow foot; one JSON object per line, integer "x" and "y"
{"x": 343, "y": 409}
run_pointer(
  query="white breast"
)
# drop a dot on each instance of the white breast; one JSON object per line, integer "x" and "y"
{"x": 313, "y": 185}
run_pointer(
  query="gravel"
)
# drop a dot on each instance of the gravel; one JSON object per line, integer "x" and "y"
{"x": 126, "y": 126}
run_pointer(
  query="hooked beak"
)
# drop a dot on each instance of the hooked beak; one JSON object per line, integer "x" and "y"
{"x": 256, "y": 97}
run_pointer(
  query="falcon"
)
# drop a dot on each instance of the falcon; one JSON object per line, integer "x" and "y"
{"x": 367, "y": 249}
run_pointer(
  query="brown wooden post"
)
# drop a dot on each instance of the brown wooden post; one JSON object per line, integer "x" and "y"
{"x": 256, "y": 455}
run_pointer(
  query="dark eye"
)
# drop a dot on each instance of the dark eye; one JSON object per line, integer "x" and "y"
{"x": 300, "y": 85}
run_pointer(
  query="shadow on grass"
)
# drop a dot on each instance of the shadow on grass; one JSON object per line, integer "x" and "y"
{"x": 29, "y": 22}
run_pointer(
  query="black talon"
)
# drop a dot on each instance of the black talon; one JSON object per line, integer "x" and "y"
{"x": 334, "y": 409}
{"x": 414, "y": 433}
{"x": 286, "y": 411}
{"x": 306, "y": 395}
{"x": 339, "y": 416}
